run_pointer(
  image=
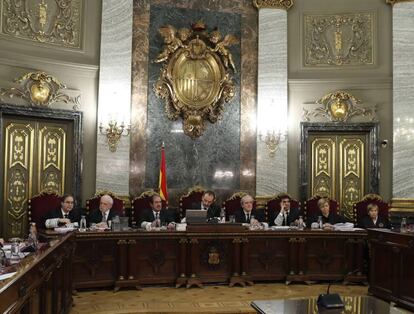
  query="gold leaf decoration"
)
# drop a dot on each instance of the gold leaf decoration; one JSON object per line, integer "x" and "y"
{"x": 46, "y": 21}
{"x": 340, "y": 39}
{"x": 195, "y": 79}
{"x": 39, "y": 89}
{"x": 273, "y": 4}
{"x": 339, "y": 106}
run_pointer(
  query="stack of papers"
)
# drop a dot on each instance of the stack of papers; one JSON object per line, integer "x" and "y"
{"x": 280, "y": 228}
{"x": 346, "y": 226}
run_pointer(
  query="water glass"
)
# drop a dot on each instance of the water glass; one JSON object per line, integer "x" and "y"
{"x": 232, "y": 219}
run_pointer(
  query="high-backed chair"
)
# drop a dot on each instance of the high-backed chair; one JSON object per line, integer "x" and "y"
{"x": 360, "y": 208}
{"x": 272, "y": 207}
{"x": 40, "y": 205}
{"x": 232, "y": 204}
{"x": 93, "y": 203}
{"x": 311, "y": 206}
{"x": 193, "y": 195}
{"x": 141, "y": 203}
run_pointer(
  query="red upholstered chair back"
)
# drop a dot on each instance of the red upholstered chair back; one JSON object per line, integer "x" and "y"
{"x": 142, "y": 203}
{"x": 311, "y": 206}
{"x": 93, "y": 203}
{"x": 40, "y": 205}
{"x": 273, "y": 205}
{"x": 360, "y": 208}
{"x": 232, "y": 204}
{"x": 193, "y": 195}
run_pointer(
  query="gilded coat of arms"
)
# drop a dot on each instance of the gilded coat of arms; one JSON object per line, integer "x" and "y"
{"x": 195, "y": 80}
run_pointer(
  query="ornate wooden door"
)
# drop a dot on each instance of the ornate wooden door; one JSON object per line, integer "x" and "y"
{"x": 340, "y": 162}
{"x": 37, "y": 155}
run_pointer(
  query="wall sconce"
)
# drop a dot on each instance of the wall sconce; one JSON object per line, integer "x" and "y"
{"x": 113, "y": 133}
{"x": 273, "y": 140}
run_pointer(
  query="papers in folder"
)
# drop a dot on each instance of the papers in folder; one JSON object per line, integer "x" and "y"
{"x": 280, "y": 227}
{"x": 346, "y": 226}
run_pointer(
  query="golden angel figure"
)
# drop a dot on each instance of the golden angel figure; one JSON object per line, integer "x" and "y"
{"x": 221, "y": 47}
{"x": 171, "y": 42}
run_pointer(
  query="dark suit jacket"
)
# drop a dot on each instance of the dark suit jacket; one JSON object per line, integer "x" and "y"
{"x": 241, "y": 218}
{"x": 148, "y": 215}
{"x": 96, "y": 216}
{"x": 294, "y": 214}
{"x": 381, "y": 223}
{"x": 212, "y": 211}
{"x": 332, "y": 218}
{"x": 73, "y": 215}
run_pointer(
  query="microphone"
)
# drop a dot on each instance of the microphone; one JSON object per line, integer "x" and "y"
{"x": 332, "y": 301}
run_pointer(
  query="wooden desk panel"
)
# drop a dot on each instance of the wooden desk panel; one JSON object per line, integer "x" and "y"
{"x": 43, "y": 283}
{"x": 235, "y": 256}
{"x": 391, "y": 270}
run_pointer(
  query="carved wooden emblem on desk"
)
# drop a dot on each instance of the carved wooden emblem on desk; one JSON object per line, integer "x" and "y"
{"x": 195, "y": 79}
{"x": 213, "y": 256}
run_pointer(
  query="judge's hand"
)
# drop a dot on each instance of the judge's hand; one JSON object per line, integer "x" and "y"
{"x": 64, "y": 221}
{"x": 328, "y": 226}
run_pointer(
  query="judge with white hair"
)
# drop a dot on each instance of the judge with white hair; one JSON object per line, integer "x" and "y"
{"x": 101, "y": 216}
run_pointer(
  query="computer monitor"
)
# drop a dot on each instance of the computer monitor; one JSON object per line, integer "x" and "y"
{"x": 195, "y": 216}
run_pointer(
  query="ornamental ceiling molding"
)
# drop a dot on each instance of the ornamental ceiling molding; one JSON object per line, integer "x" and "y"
{"x": 339, "y": 39}
{"x": 195, "y": 79}
{"x": 56, "y": 22}
{"x": 339, "y": 106}
{"x": 273, "y": 4}
{"x": 39, "y": 89}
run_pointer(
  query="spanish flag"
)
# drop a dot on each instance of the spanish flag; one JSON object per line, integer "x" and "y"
{"x": 162, "y": 185}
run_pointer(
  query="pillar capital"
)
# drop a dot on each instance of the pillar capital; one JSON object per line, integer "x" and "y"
{"x": 273, "y": 4}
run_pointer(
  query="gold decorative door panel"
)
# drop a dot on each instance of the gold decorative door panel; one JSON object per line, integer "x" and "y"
{"x": 51, "y": 153}
{"x": 36, "y": 158}
{"x": 18, "y": 173}
{"x": 337, "y": 167}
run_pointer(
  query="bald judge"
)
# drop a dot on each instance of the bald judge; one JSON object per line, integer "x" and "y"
{"x": 101, "y": 216}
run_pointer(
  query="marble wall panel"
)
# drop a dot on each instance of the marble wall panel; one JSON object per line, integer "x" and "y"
{"x": 210, "y": 160}
{"x": 272, "y": 100}
{"x": 403, "y": 100}
{"x": 114, "y": 99}
{"x": 145, "y": 149}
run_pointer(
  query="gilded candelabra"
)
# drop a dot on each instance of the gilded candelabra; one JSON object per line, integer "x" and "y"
{"x": 273, "y": 139}
{"x": 113, "y": 133}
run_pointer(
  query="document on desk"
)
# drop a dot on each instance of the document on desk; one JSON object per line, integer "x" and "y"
{"x": 7, "y": 276}
{"x": 346, "y": 226}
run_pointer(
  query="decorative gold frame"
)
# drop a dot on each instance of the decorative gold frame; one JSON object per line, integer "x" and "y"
{"x": 339, "y": 106}
{"x": 195, "y": 79}
{"x": 39, "y": 89}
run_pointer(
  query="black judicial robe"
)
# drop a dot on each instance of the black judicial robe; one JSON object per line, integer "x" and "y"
{"x": 73, "y": 215}
{"x": 148, "y": 216}
{"x": 95, "y": 216}
{"x": 240, "y": 217}
{"x": 294, "y": 214}
{"x": 331, "y": 219}
{"x": 381, "y": 223}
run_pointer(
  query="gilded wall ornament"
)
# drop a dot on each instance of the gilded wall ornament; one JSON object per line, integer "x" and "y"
{"x": 45, "y": 21}
{"x": 339, "y": 106}
{"x": 39, "y": 89}
{"x": 340, "y": 39}
{"x": 195, "y": 80}
{"x": 273, "y": 4}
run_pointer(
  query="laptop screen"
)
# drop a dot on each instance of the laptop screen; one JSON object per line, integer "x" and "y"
{"x": 195, "y": 216}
